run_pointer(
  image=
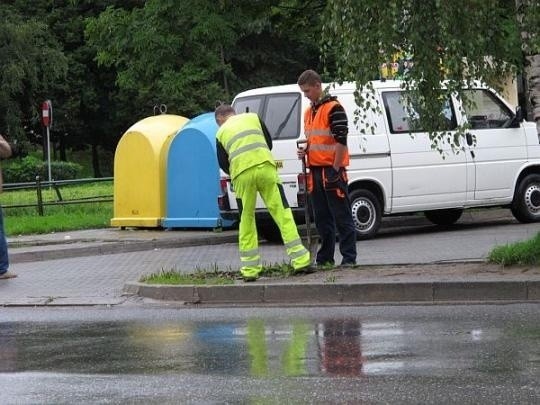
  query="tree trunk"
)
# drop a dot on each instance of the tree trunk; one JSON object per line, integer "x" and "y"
{"x": 533, "y": 76}
{"x": 95, "y": 161}
{"x": 223, "y": 64}
{"x": 531, "y": 72}
{"x": 62, "y": 147}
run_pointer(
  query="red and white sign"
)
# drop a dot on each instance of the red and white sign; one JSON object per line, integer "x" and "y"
{"x": 46, "y": 113}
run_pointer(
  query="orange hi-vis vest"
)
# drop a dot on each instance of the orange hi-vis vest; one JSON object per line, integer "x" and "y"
{"x": 321, "y": 145}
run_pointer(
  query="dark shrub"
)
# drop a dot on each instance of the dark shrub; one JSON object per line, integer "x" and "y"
{"x": 26, "y": 170}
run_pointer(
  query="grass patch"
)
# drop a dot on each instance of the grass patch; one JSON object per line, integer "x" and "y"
{"x": 198, "y": 277}
{"x": 57, "y": 218}
{"x": 174, "y": 277}
{"x": 212, "y": 276}
{"x": 519, "y": 253}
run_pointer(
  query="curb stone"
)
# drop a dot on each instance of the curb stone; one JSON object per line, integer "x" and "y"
{"x": 80, "y": 249}
{"x": 342, "y": 293}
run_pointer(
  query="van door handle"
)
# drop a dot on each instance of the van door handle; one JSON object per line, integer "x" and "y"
{"x": 468, "y": 136}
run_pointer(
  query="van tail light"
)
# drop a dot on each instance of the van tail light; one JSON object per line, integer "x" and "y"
{"x": 223, "y": 197}
{"x": 223, "y": 184}
{"x": 302, "y": 186}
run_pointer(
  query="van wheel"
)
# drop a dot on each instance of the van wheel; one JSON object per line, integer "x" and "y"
{"x": 366, "y": 212}
{"x": 444, "y": 217}
{"x": 269, "y": 230}
{"x": 526, "y": 204}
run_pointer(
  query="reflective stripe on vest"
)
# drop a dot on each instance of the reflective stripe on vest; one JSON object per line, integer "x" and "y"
{"x": 321, "y": 143}
{"x": 243, "y": 139}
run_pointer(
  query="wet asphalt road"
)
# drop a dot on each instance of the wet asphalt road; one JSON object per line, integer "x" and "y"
{"x": 357, "y": 355}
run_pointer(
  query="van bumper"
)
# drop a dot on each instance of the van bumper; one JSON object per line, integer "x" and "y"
{"x": 263, "y": 214}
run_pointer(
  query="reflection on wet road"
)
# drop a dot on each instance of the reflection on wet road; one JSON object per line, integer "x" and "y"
{"x": 304, "y": 357}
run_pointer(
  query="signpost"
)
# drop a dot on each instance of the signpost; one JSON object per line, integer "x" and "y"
{"x": 46, "y": 120}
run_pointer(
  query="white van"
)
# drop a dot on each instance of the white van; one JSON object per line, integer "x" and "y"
{"x": 395, "y": 171}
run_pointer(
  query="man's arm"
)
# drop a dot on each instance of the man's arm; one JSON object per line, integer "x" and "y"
{"x": 222, "y": 156}
{"x": 340, "y": 129}
{"x": 5, "y": 148}
{"x": 266, "y": 133}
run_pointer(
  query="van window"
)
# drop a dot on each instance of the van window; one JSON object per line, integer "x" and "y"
{"x": 398, "y": 117}
{"x": 485, "y": 110}
{"x": 282, "y": 115}
{"x": 248, "y": 104}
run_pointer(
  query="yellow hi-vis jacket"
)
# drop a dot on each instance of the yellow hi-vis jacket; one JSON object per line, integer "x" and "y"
{"x": 243, "y": 139}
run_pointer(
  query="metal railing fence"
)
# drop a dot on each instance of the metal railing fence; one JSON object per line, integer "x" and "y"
{"x": 56, "y": 185}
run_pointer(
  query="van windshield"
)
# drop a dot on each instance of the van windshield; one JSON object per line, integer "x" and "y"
{"x": 485, "y": 111}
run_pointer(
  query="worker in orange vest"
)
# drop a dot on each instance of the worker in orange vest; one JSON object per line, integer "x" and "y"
{"x": 326, "y": 129}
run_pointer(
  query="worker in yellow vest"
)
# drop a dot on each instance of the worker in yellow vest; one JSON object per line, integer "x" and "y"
{"x": 244, "y": 152}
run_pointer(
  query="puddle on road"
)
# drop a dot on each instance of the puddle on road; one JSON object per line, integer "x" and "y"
{"x": 341, "y": 347}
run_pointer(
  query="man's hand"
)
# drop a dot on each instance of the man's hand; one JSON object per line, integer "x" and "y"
{"x": 301, "y": 148}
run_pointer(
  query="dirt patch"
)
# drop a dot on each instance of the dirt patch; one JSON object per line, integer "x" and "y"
{"x": 476, "y": 271}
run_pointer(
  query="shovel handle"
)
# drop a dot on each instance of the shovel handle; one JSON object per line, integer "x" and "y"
{"x": 302, "y": 143}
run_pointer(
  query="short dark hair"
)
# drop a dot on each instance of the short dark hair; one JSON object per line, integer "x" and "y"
{"x": 309, "y": 77}
{"x": 224, "y": 110}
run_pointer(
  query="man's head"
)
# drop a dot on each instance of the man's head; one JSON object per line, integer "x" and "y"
{"x": 223, "y": 112}
{"x": 311, "y": 85}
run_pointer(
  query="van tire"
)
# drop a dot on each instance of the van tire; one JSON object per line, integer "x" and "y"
{"x": 367, "y": 213}
{"x": 526, "y": 204}
{"x": 444, "y": 217}
{"x": 268, "y": 229}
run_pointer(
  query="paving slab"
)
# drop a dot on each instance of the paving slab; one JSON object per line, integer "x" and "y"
{"x": 421, "y": 265}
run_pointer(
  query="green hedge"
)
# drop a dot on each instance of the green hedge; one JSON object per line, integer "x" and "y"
{"x": 26, "y": 170}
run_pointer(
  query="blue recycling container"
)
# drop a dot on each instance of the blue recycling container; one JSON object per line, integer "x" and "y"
{"x": 193, "y": 177}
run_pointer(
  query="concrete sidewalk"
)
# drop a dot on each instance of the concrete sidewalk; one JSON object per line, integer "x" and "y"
{"x": 102, "y": 267}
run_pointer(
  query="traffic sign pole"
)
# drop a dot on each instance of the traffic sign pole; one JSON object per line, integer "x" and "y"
{"x": 46, "y": 119}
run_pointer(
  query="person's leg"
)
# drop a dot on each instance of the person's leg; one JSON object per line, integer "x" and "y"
{"x": 341, "y": 207}
{"x": 324, "y": 219}
{"x": 248, "y": 244}
{"x": 4, "y": 259}
{"x": 274, "y": 198}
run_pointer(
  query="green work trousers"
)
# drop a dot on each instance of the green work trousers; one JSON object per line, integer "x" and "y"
{"x": 263, "y": 179}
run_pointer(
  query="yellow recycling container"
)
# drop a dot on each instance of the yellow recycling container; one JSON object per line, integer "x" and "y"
{"x": 139, "y": 171}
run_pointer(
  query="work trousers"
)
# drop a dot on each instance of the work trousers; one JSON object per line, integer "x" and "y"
{"x": 263, "y": 180}
{"x": 332, "y": 210}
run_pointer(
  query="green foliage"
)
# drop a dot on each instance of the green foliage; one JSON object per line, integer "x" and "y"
{"x": 23, "y": 170}
{"x": 165, "y": 52}
{"x": 456, "y": 42}
{"x": 189, "y": 54}
{"x": 136, "y": 53}
{"x": 528, "y": 15}
{"x": 31, "y": 60}
{"x": 26, "y": 170}
{"x": 519, "y": 253}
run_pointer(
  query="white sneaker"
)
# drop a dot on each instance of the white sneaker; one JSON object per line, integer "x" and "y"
{"x": 7, "y": 275}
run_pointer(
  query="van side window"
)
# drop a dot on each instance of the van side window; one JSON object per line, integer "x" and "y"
{"x": 485, "y": 110}
{"x": 248, "y": 104}
{"x": 398, "y": 116}
{"x": 282, "y": 115}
